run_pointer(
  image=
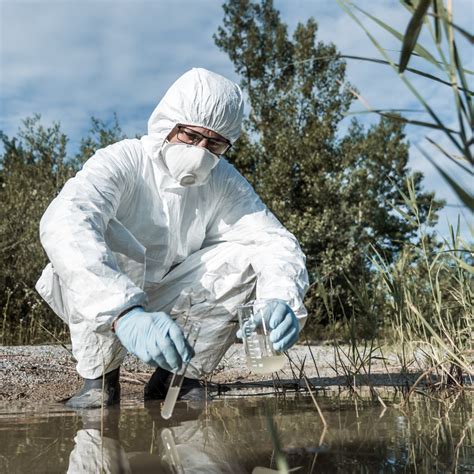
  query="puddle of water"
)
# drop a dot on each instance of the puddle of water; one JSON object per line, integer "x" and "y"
{"x": 232, "y": 436}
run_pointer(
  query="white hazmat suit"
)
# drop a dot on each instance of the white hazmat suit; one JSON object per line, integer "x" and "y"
{"x": 123, "y": 233}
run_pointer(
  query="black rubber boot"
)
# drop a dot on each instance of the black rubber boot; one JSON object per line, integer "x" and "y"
{"x": 91, "y": 394}
{"x": 157, "y": 387}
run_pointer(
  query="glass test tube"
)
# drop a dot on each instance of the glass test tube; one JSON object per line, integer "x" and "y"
{"x": 177, "y": 379}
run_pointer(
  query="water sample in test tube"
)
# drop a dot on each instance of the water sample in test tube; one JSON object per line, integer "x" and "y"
{"x": 178, "y": 377}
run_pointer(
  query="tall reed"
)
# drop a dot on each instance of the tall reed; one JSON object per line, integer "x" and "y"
{"x": 431, "y": 295}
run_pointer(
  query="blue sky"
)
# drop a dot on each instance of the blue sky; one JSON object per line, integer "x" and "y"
{"x": 70, "y": 60}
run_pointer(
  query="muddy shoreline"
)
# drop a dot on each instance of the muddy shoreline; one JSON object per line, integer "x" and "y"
{"x": 47, "y": 373}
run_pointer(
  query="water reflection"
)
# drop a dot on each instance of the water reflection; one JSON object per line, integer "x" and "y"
{"x": 232, "y": 436}
{"x": 191, "y": 445}
{"x": 97, "y": 446}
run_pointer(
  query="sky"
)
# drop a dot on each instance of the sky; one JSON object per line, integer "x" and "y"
{"x": 69, "y": 60}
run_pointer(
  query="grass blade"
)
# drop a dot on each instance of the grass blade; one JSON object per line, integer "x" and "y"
{"x": 454, "y": 159}
{"x": 464, "y": 265}
{"x": 460, "y": 30}
{"x": 464, "y": 196}
{"x": 436, "y": 22}
{"x": 280, "y": 458}
{"x": 454, "y": 71}
{"x": 395, "y": 116}
{"x": 462, "y": 77}
{"x": 382, "y": 111}
{"x": 469, "y": 110}
{"x": 463, "y": 32}
{"x": 343, "y": 4}
{"x": 439, "y": 340}
{"x": 412, "y": 33}
{"x": 424, "y": 53}
{"x": 400, "y": 118}
{"x": 409, "y": 69}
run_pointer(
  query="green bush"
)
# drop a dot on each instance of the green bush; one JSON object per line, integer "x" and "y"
{"x": 33, "y": 168}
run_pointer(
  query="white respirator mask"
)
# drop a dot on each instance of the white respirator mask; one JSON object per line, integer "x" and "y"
{"x": 189, "y": 165}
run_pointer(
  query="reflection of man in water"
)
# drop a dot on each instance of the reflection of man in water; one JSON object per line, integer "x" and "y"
{"x": 154, "y": 230}
{"x": 97, "y": 447}
{"x": 192, "y": 447}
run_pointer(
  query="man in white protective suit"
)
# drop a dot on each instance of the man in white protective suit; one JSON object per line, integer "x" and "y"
{"x": 156, "y": 232}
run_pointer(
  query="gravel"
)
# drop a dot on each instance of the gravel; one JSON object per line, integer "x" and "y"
{"x": 47, "y": 373}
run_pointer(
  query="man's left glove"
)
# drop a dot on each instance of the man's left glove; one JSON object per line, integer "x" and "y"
{"x": 154, "y": 338}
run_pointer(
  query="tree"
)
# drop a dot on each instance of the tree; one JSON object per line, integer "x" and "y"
{"x": 335, "y": 193}
{"x": 100, "y": 135}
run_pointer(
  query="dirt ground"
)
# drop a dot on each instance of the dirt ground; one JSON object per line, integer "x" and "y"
{"x": 47, "y": 373}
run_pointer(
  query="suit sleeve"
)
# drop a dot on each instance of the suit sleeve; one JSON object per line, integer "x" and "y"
{"x": 72, "y": 232}
{"x": 240, "y": 216}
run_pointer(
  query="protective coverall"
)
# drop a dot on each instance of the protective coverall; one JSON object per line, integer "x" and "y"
{"x": 123, "y": 233}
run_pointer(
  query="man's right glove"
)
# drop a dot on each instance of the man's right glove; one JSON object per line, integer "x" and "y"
{"x": 280, "y": 319}
{"x": 154, "y": 338}
{"x": 283, "y": 323}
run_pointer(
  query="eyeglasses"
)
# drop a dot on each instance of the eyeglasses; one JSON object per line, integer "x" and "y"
{"x": 191, "y": 137}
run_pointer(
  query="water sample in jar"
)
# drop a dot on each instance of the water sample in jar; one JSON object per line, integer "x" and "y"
{"x": 259, "y": 352}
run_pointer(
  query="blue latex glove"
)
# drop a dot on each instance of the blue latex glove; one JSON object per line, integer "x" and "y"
{"x": 154, "y": 338}
{"x": 283, "y": 324}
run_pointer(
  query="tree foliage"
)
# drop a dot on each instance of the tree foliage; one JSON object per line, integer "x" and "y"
{"x": 333, "y": 184}
{"x": 334, "y": 190}
{"x": 33, "y": 168}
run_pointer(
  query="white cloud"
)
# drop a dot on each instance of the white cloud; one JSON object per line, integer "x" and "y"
{"x": 69, "y": 60}
{"x": 92, "y": 58}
